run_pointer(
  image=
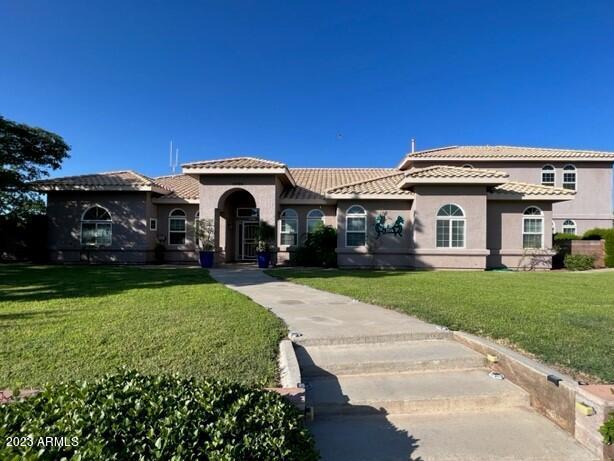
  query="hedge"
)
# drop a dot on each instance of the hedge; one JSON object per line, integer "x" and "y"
{"x": 579, "y": 262}
{"x": 133, "y": 416}
{"x": 608, "y": 236}
{"x": 563, "y": 237}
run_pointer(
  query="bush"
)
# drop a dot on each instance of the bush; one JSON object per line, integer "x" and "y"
{"x": 159, "y": 253}
{"x": 134, "y": 416}
{"x": 607, "y": 431}
{"x": 318, "y": 249}
{"x": 608, "y": 236}
{"x": 579, "y": 262}
{"x": 563, "y": 237}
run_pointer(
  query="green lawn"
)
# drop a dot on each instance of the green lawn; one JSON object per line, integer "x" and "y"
{"x": 78, "y": 322}
{"x": 566, "y": 319}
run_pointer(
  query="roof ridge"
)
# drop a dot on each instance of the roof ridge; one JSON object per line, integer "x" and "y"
{"x": 242, "y": 157}
{"x": 341, "y": 168}
{"x": 434, "y": 149}
{"x": 364, "y": 181}
{"x": 454, "y": 167}
{"x": 565, "y": 149}
{"x": 171, "y": 175}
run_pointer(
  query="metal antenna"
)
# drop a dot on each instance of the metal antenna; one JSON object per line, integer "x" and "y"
{"x": 413, "y": 145}
{"x": 176, "y": 159}
{"x": 170, "y": 156}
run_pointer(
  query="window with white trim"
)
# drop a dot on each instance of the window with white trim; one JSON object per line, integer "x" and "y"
{"x": 569, "y": 226}
{"x": 548, "y": 175}
{"x": 533, "y": 228}
{"x": 289, "y": 227}
{"x": 569, "y": 177}
{"x": 315, "y": 219}
{"x": 96, "y": 227}
{"x": 355, "y": 226}
{"x": 450, "y": 227}
{"x": 153, "y": 224}
{"x": 176, "y": 227}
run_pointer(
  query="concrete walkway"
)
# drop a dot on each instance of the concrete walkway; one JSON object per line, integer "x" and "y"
{"x": 386, "y": 386}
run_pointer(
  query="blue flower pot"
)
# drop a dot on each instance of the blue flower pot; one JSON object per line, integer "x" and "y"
{"x": 206, "y": 258}
{"x": 264, "y": 259}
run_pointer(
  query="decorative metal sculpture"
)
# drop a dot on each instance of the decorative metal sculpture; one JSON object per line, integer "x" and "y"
{"x": 382, "y": 228}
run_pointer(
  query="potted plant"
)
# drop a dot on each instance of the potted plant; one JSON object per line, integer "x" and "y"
{"x": 266, "y": 243}
{"x": 205, "y": 239}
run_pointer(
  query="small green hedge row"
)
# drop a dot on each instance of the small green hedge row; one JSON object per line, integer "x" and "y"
{"x": 607, "y": 431}
{"x": 608, "y": 236}
{"x": 579, "y": 262}
{"x": 563, "y": 237}
{"x": 134, "y": 416}
{"x": 318, "y": 250}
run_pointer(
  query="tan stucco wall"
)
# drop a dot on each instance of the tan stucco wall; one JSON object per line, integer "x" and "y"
{"x": 386, "y": 251}
{"x": 592, "y": 205}
{"x": 178, "y": 253}
{"x": 129, "y": 240}
{"x": 504, "y": 236}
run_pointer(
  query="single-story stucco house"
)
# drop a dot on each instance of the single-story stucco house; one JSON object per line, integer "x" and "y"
{"x": 467, "y": 207}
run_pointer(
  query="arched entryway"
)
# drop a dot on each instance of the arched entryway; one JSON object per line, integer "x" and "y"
{"x": 238, "y": 224}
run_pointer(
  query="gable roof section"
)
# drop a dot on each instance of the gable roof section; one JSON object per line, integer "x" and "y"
{"x": 239, "y": 165}
{"x": 312, "y": 183}
{"x": 512, "y": 153}
{"x": 385, "y": 187}
{"x": 444, "y": 174}
{"x": 126, "y": 180}
{"x": 515, "y": 190}
{"x": 185, "y": 188}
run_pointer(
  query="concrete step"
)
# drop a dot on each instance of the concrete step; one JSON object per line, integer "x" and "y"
{"x": 371, "y": 339}
{"x": 512, "y": 434}
{"x": 350, "y": 359}
{"x": 397, "y": 393}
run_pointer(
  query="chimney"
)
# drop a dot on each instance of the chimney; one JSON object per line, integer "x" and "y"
{"x": 413, "y": 145}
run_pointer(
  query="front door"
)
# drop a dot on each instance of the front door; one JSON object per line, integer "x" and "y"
{"x": 248, "y": 240}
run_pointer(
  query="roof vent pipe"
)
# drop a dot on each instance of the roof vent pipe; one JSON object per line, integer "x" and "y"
{"x": 413, "y": 145}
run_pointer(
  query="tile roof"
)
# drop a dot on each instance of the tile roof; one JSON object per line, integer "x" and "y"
{"x": 312, "y": 183}
{"x": 514, "y": 187}
{"x": 384, "y": 185}
{"x": 235, "y": 162}
{"x": 506, "y": 152}
{"x": 445, "y": 171}
{"x": 126, "y": 179}
{"x": 183, "y": 187}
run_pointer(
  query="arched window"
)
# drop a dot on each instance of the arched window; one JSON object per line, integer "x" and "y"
{"x": 569, "y": 177}
{"x": 548, "y": 175}
{"x": 176, "y": 227}
{"x": 569, "y": 226}
{"x": 533, "y": 228}
{"x": 450, "y": 227}
{"x": 289, "y": 227}
{"x": 96, "y": 227}
{"x": 355, "y": 226}
{"x": 315, "y": 218}
{"x": 467, "y": 165}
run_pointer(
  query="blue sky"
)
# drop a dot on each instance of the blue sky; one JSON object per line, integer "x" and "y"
{"x": 309, "y": 83}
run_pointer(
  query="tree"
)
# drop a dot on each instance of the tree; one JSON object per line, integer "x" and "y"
{"x": 26, "y": 154}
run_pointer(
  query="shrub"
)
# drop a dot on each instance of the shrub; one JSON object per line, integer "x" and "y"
{"x": 607, "y": 431}
{"x": 159, "y": 253}
{"x": 608, "y": 236}
{"x": 563, "y": 237}
{"x": 134, "y": 416}
{"x": 579, "y": 262}
{"x": 318, "y": 249}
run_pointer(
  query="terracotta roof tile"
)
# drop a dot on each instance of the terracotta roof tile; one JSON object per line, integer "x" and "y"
{"x": 312, "y": 183}
{"x": 506, "y": 152}
{"x": 445, "y": 171}
{"x": 514, "y": 187}
{"x": 183, "y": 186}
{"x": 384, "y": 185}
{"x": 123, "y": 179}
{"x": 235, "y": 162}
